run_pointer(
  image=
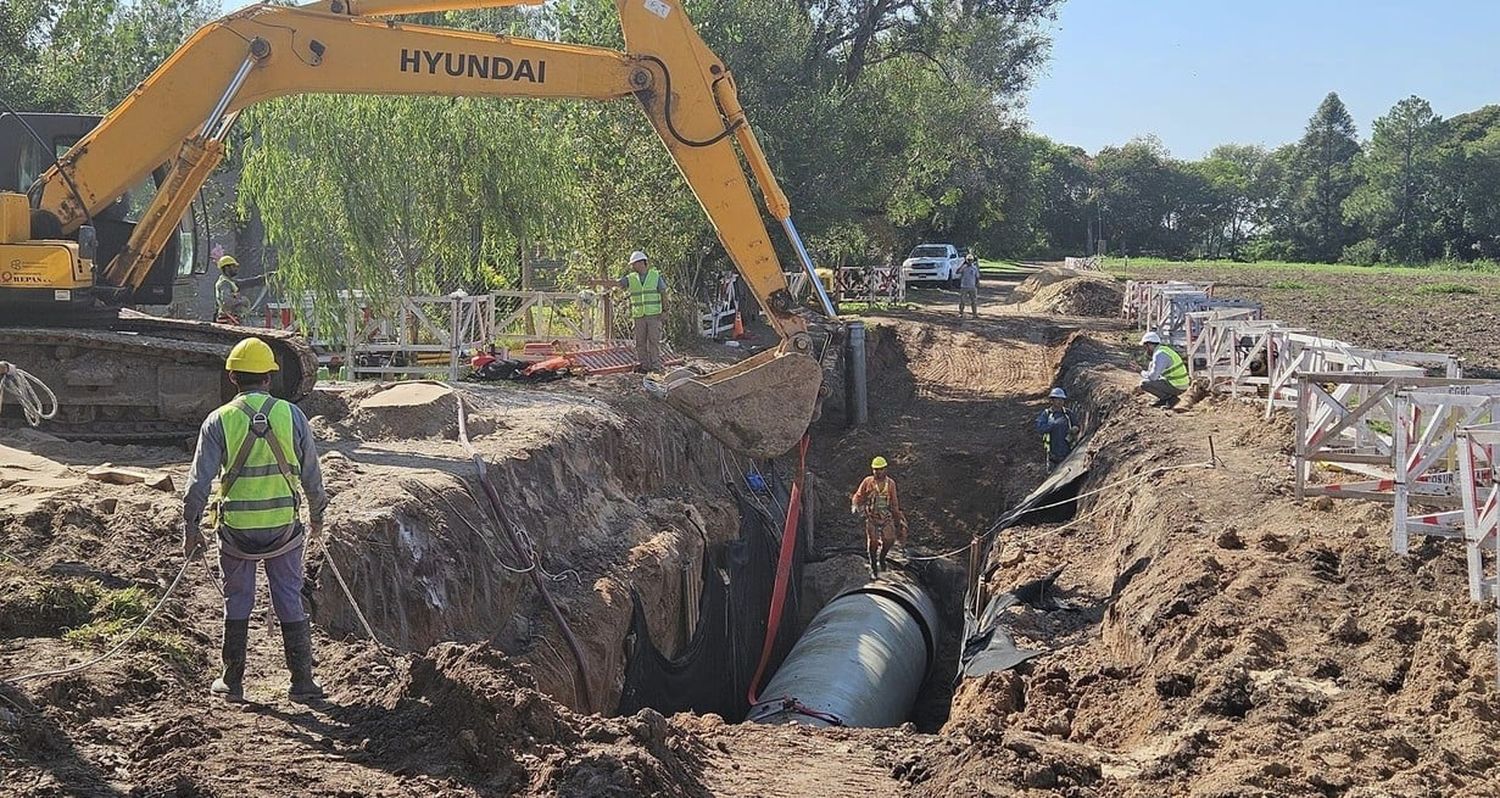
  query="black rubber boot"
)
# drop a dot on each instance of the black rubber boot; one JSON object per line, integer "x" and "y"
{"x": 231, "y": 684}
{"x": 296, "y": 639}
{"x": 874, "y": 565}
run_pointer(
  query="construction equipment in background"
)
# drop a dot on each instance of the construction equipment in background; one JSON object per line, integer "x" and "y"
{"x": 116, "y": 369}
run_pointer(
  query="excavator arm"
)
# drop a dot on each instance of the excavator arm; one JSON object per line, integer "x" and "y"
{"x": 181, "y": 113}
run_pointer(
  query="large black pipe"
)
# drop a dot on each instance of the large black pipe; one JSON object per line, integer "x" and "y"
{"x": 856, "y": 400}
{"x": 861, "y": 661}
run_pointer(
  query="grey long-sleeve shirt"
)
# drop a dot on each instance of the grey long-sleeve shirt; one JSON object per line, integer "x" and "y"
{"x": 210, "y": 459}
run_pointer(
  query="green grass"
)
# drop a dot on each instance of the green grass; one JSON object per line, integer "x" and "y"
{"x": 115, "y": 613}
{"x": 1289, "y": 285}
{"x": 861, "y": 308}
{"x": 1003, "y": 268}
{"x": 1439, "y": 268}
{"x": 1447, "y": 288}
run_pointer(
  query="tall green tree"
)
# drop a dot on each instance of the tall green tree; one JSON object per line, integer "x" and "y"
{"x": 78, "y": 56}
{"x": 1398, "y": 201}
{"x": 1322, "y": 177}
{"x": 1470, "y": 185}
{"x": 1232, "y": 173}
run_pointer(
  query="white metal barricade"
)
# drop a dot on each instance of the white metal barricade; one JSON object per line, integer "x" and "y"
{"x": 1426, "y": 456}
{"x": 430, "y": 336}
{"x": 876, "y": 285}
{"x": 1479, "y": 492}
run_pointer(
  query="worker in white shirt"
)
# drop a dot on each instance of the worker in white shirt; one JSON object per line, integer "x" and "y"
{"x": 1167, "y": 375}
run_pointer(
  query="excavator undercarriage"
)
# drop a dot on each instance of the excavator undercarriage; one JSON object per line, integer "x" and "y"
{"x": 137, "y": 378}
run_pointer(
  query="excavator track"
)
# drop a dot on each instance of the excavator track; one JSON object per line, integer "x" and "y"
{"x": 130, "y": 377}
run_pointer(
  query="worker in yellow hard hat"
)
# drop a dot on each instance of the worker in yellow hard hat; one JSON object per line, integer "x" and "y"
{"x": 229, "y": 304}
{"x": 885, "y": 524}
{"x": 262, "y": 450}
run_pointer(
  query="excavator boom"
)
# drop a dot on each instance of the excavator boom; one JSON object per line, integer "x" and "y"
{"x": 182, "y": 111}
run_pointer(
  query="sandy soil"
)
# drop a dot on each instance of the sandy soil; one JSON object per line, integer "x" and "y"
{"x": 1220, "y": 639}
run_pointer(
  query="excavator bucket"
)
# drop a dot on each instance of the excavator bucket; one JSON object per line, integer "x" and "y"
{"x": 759, "y": 407}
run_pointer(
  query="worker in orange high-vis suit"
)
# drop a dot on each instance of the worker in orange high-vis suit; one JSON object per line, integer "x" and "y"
{"x": 885, "y": 524}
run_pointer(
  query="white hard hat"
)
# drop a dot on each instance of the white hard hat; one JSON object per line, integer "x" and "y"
{"x": 636, "y": 257}
{"x": 1057, "y": 393}
{"x": 1150, "y": 338}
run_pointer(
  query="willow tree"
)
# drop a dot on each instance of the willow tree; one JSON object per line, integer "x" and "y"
{"x": 406, "y": 195}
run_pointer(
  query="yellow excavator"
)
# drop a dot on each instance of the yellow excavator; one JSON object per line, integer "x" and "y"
{"x": 65, "y": 289}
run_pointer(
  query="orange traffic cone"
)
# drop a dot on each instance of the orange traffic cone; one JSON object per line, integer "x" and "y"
{"x": 739, "y": 326}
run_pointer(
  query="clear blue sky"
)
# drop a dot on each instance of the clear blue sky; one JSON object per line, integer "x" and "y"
{"x": 1198, "y": 73}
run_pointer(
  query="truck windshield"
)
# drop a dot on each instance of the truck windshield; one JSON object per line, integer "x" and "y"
{"x": 929, "y": 251}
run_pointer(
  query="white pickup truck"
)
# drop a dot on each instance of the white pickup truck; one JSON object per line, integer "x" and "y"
{"x": 933, "y": 263}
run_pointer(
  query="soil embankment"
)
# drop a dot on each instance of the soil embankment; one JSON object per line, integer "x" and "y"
{"x": 1212, "y": 636}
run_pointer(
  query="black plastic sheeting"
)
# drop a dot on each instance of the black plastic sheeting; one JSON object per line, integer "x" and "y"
{"x": 713, "y": 672}
{"x": 988, "y": 645}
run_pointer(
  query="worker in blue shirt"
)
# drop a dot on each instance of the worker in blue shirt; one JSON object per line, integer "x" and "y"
{"x": 1058, "y": 427}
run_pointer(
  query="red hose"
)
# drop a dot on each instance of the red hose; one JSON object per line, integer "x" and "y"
{"x": 783, "y": 570}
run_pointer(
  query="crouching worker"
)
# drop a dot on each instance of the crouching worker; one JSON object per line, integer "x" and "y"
{"x": 1167, "y": 375}
{"x": 261, "y": 449}
{"x": 885, "y": 524}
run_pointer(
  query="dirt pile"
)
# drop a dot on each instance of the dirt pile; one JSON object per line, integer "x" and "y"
{"x": 406, "y": 411}
{"x": 468, "y": 711}
{"x": 1058, "y": 290}
{"x": 606, "y": 490}
{"x": 1223, "y": 639}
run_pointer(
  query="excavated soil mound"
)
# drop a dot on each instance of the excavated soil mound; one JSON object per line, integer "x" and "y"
{"x": 470, "y": 712}
{"x": 405, "y": 411}
{"x": 1069, "y": 292}
{"x": 1217, "y": 637}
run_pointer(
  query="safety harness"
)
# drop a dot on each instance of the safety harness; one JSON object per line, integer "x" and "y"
{"x": 292, "y": 535}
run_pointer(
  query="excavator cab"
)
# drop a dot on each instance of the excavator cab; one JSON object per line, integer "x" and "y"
{"x": 23, "y": 159}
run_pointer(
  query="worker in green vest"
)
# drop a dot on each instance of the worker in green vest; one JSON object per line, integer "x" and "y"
{"x": 648, "y": 292}
{"x": 1167, "y": 376}
{"x": 229, "y": 304}
{"x": 262, "y": 451}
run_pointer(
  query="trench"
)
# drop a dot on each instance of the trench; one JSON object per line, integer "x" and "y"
{"x": 658, "y": 546}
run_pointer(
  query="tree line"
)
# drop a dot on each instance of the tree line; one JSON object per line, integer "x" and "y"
{"x": 888, "y": 122}
{"x": 1421, "y": 189}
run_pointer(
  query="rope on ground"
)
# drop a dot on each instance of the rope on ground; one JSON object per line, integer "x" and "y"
{"x": 212, "y": 577}
{"x": 1108, "y": 486}
{"x": 83, "y": 666}
{"x": 24, "y": 387}
{"x": 348, "y": 594}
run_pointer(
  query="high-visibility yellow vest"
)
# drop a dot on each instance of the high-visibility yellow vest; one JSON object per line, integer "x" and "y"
{"x": 225, "y": 290}
{"x": 1177, "y": 373}
{"x": 645, "y": 293}
{"x": 260, "y": 495}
